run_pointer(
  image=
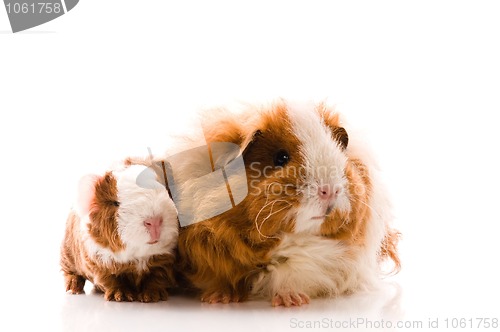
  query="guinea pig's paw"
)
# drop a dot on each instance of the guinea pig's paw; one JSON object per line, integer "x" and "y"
{"x": 74, "y": 283}
{"x": 225, "y": 297}
{"x": 119, "y": 295}
{"x": 289, "y": 298}
{"x": 153, "y": 295}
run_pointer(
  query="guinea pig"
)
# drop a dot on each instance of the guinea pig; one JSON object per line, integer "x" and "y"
{"x": 316, "y": 221}
{"x": 121, "y": 236}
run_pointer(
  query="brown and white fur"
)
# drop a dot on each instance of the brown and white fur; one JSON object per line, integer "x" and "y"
{"x": 121, "y": 236}
{"x": 317, "y": 224}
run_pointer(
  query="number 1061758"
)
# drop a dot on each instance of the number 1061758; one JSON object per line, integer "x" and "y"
{"x": 34, "y": 8}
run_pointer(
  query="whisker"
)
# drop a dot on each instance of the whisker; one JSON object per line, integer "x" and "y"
{"x": 272, "y": 207}
{"x": 344, "y": 222}
{"x": 271, "y": 213}
{"x": 265, "y": 205}
{"x": 367, "y": 205}
{"x": 258, "y": 227}
{"x": 257, "y": 218}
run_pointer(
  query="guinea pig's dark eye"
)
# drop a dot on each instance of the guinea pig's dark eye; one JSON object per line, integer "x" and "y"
{"x": 281, "y": 158}
{"x": 115, "y": 203}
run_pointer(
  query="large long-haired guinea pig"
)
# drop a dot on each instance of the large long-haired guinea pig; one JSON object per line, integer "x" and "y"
{"x": 316, "y": 221}
{"x": 121, "y": 236}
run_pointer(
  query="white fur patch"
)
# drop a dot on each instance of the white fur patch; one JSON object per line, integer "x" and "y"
{"x": 136, "y": 205}
{"x": 315, "y": 266}
{"x": 324, "y": 163}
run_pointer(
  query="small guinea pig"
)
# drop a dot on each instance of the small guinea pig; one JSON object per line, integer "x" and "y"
{"x": 121, "y": 236}
{"x": 315, "y": 222}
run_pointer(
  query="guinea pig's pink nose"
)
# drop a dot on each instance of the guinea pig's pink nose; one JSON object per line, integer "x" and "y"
{"x": 326, "y": 191}
{"x": 153, "y": 225}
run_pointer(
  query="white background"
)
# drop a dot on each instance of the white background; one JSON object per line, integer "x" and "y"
{"x": 111, "y": 78}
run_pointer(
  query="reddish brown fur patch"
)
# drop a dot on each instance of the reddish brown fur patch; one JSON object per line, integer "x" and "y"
{"x": 126, "y": 282}
{"x": 389, "y": 248}
{"x": 70, "y": 258}
{"x": 137, "y": 161}
{"x": 222, "y": 126}
{"x": 103, "y": 226}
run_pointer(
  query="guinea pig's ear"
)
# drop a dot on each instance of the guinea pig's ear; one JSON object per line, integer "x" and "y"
{"x": 249, "y": 141}
{"x": 340, "y": 135}
{"x": 86, "y": 194}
